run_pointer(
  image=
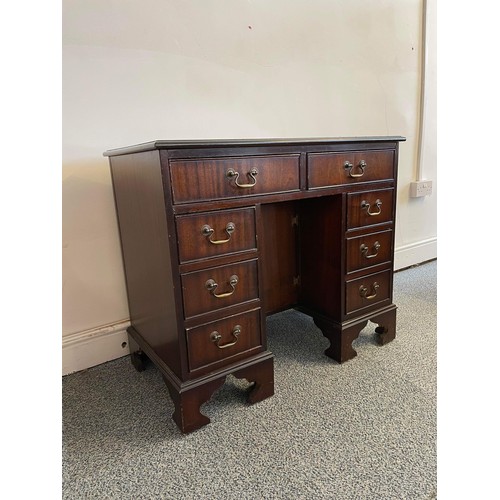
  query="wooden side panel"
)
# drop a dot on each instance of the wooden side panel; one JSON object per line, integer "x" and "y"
{"x": 321, "y": 237}
{"x": 279, "y": 261}
{"x": 140, "y": 206}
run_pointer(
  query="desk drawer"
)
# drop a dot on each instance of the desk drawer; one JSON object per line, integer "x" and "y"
{"x": 369, "y": 250}
{"x": 219, "y": 287}
{"x": 211, "y": 234}
{"x": 368, "y": 290}
{"x": 331, "y": 169}
{"x": 369, "y": 207}
{"x": 223, "y": 340}
{"x": 216, "y": 178}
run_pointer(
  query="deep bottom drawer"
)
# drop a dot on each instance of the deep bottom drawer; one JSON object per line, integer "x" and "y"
{"x": 223, "y": 340}
{"x": 368, "y": 290}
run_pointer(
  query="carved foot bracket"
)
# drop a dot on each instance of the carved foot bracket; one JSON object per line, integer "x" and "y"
{"x": 262, "y": 375}
{"x": 342, "y": 335}
{"x": 387, "y": 326}
{"x": 187, "y": 404}
{"x": 188, "y": 399}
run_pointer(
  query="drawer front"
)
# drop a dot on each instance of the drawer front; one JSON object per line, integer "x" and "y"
{"x": 368, "y": 250}
{"x": 369, "y": 207}
{"x": 211, "y": 234}
{"x": 219, "y": 287}
{"x": 223, "y": 340}
{"x": 368, "y": 291}
{"x": 331, "y": 169}
{"x": 215, "y": 178}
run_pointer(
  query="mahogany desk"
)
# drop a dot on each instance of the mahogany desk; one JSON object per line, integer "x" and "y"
{"x": 218, "y": 234}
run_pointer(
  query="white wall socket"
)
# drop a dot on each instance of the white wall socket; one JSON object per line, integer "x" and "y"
{"x": 420, "y": 188}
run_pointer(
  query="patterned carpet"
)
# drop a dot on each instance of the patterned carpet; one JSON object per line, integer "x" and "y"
{"x": 362, "y": 430}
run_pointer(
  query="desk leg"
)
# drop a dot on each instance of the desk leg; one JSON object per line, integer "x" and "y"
{"x": 387, "y": 326}
{"x": 187, "y": 402}
{"x": 187, "y": 413}
{"x": 137, "y": 357}
{"x": 263, "y": 376}
{"x": 340, "y": 337}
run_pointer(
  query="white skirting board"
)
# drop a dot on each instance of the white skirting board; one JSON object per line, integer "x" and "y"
{"x": 92, "y": 347}
{"x": 415, "y": 253}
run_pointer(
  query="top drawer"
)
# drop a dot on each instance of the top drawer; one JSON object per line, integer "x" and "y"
{"x": 215, "y": 178}
{"x": 331, "y": 169}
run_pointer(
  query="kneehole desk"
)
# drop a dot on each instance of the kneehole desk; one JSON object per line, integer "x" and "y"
{"x": 216, "y": 235}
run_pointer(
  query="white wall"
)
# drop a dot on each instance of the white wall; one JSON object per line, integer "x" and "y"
{"x": 169, "y": 69}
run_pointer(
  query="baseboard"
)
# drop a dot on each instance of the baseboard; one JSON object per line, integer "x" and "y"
{"x": 92, "y": 347}
{"x": 415, "y": 253}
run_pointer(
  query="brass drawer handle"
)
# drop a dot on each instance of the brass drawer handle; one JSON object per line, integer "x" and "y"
{"x": 211, "y": 286}
{"x": 363, "y": 291}
{"x": 364, "y": 250}
{"x": 232, "y": 174}
{"x": 216, "y": 336}
{"x": 350, "y": 166}
{"x": 366, "y": 206}
{"x": 207, "y": 231}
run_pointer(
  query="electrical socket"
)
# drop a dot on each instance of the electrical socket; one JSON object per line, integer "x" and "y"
{"x": 420, "y": 188}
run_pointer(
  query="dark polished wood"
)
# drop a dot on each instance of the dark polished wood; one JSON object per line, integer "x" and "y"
{"x": 207, "y": 179}
{"x": 194, "y": 244}
{"x": 262, "y": 376}
{"x": 341, "y": 337}
{"x": 211, "y": 289}
{"x": 280, "y": 267}
{"x": 331, "y": 169}
{"x": 217, "y": 234}
{"x": 369, "y": 207}
{"x": 274, "y": 143}
{"x": 203, "y": 350}
{"x": 368, "y": 291}
{"x": 138, "y": 191}
{"x": 187, "y": 403}
{"x": 321, "y": 257}
{"x": 369, "y": 250}
{"x": 342, "y": 334}
{"x": 387, "y": 326}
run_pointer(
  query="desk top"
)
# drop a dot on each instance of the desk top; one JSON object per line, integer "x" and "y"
{"x": 208, "y": 143}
